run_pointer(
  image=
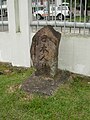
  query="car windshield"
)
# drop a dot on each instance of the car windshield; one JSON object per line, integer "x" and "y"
{"x": 62, "y": 8}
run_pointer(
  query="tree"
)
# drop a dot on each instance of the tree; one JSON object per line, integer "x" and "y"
{"x": 83, "y": 5}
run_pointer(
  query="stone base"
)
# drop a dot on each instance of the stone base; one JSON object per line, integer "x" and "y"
{"x": 45, "y": 85}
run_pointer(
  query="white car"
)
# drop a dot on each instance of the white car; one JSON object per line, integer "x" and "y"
{"x": 60, "y": 12}
{"x": 65, "y": 4}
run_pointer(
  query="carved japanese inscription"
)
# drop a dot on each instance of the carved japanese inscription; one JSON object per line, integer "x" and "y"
{"x": 44, "y": 51}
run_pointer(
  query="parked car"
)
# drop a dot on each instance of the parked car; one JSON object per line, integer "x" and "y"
{"x": 60, "y": 12}
{"x": 65, "y": 4}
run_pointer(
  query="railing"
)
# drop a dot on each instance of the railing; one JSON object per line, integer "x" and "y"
{"x": 72, "y": 17}
{"x": 3, "y": 16}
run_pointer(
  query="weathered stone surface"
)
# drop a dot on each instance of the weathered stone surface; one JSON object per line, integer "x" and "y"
{"x": 44, "y": 51}
{"x": 45, "y": 85}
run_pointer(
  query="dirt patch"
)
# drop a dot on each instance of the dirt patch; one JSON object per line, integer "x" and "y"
{"x": 45, "y": 85}
{"x": 13, "y": 88}
{"x": 26, "y": 97}
{"x": 7, "y": 69}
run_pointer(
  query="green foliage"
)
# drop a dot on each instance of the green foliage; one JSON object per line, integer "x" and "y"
{"x": 70, "y": 102}
{"x": 77, "y": 1}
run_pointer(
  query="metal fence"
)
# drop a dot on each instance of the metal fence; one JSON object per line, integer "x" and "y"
{"x": 3, "y": 16}
{"x": 72, "y": 17}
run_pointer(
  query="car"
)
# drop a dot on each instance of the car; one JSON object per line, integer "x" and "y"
{"x": 59, "y": 11}
{"x": 65, "y": 4}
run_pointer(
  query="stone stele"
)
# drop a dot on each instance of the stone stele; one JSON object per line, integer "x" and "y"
{"x": 44, "y": 51}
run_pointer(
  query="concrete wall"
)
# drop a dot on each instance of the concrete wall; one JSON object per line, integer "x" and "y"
{"x": 14, "y": 46}
{"x": 74, "y": 54}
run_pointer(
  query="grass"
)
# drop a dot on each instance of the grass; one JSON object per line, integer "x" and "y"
{"x": 77, "y": 19}
{"x": 70, "y": 102}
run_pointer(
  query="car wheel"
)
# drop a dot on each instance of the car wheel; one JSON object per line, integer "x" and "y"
{"x": 38, "y": 17}
{"x": 60, "y": 17}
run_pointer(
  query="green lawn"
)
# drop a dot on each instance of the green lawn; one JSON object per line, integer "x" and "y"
{"x": 70, "y": 102}
{"x": 82, "y": 19}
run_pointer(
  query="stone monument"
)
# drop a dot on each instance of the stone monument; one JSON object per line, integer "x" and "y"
{"x": 44, "y": 51}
